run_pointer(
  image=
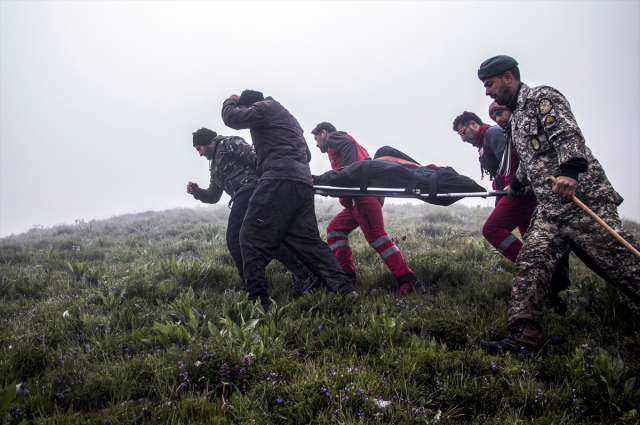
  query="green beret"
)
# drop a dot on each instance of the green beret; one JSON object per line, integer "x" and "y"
{"x": 495, "y": 66}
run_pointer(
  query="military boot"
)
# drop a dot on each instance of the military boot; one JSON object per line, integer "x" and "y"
{"x": 408, "y": 283}
{"x": 522, "y": 340}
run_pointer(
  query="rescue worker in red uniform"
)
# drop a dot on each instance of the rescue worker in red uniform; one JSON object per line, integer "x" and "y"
{"x": 363, "y": 212}
{"x": 499, "y": 159}
{"x": 500, "y": 162}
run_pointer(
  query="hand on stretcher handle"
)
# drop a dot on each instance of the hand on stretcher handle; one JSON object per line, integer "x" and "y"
{"x": 603, "y": 224}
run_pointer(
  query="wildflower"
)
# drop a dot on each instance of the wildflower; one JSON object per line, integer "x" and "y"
{"x": 246, "y": 361}
{"x": 242, "y": 376}
{"x": 224, "y": 373}
{"x": 20, "y": 389}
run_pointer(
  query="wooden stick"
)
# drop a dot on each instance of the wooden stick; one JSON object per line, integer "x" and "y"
{"x": 602, "y": 223}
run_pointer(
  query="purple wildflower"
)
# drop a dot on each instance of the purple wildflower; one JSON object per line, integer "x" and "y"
{"x": 224, "y": 373}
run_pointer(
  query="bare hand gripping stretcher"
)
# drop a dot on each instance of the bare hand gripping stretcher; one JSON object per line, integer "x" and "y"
{"x": 394, "y": 174}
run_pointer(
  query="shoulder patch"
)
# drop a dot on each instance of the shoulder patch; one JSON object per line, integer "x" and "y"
{"x": 549, "y": 122}
{"x": 535, "y": 144}
{"x": 545, "y": 106}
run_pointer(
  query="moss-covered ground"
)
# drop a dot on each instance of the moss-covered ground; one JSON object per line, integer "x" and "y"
{"x": 138, "y": 319}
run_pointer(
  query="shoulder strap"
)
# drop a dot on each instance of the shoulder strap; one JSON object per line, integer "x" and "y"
{"x": 364, "y": 175}
{"x": 433, "y": 185}
{"x": 415, "y": 179}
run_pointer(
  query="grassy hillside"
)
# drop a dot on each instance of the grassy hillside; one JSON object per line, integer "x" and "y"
{"x": 137, "y": 319}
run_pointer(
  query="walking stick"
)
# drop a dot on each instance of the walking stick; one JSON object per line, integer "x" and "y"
{"x": 603, "y": 224}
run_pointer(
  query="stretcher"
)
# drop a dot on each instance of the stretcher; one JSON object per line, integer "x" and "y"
{"x": 353, "y": 192}
{"x": 394, "y": 174}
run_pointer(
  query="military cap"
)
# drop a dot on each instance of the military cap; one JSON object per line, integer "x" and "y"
{"x": 203, "y": 137}
{"x": 495, "y": 66}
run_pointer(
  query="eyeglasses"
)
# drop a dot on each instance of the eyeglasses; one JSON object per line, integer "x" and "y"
{"x": 463, "y": 131}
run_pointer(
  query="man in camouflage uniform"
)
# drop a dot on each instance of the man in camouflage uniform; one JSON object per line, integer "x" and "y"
{"x": 233, "y": 170}
{"x": 550, "y": 143}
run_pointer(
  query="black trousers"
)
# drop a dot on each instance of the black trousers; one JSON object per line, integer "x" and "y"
{"x": 282, "y": 211}
{"x": 236, "y": 217}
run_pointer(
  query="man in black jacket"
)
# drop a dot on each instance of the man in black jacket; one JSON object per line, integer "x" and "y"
{"x": 281, "y": 208}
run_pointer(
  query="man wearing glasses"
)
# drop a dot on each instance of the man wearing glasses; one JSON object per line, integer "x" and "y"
{"x": 499, "y": 162}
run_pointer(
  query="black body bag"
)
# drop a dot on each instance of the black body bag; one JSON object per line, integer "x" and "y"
{"x": 404, "y": 177}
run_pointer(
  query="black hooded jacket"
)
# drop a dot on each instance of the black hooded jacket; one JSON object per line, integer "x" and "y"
{"x": 281, "y": 150}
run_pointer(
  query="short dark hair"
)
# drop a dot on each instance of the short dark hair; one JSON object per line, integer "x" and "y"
{"x": 323, "y": 126}
{"x": 464, "y": 119}
{"x": 515, "y": 71}
{"x": 249, "y": 97}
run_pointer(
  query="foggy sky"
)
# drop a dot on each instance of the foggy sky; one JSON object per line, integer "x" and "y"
{"x": 98, "y": 100}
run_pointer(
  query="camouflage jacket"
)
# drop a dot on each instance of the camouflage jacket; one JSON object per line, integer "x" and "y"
{"x": 545, "y": 134}
{"x": 233, "y": 169}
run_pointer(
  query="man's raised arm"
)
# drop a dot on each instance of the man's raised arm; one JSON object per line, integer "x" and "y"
{"x": 240, "y": 118}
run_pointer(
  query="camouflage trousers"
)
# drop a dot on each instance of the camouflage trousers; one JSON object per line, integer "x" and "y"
{"x": 549, "y": 238}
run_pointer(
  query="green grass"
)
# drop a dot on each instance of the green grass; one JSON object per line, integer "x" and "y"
{"x": 137, "y": 319}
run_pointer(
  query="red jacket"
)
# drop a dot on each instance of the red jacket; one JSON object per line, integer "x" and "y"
{"x": 343, "y": 150}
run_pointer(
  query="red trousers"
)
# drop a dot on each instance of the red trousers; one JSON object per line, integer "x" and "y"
{"x": 506, "y": 216}
{"x": 365, "y": 213}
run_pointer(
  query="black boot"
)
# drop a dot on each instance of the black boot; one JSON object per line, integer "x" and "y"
{"x": 408, "y": 283}
{"x": 523, "y": 340}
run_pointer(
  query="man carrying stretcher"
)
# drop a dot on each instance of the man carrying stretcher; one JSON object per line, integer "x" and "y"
{"x": 363, "y": 212}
